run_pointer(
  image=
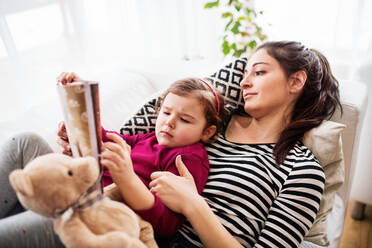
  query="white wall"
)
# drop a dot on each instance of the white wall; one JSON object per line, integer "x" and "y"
{"x": 41, "y": 38}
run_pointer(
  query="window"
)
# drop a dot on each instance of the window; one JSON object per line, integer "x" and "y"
{"x": 35, "y": 27}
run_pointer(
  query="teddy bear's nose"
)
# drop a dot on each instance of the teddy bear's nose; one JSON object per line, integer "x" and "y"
{"x": 70, "y": 173}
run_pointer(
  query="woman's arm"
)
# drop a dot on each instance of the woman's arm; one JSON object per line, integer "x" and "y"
{"x": 165, "y": 221}
{"x": 208, "y": 227}
{"x": 295, "y": 208}
{"x": 179, "y": 193}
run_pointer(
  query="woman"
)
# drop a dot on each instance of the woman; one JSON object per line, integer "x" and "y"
{"x": 264, "y": 185}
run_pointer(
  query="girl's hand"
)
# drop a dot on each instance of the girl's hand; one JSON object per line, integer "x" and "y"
{"x": 116, "y": 158}
{"x": 68, "y": 77}
{"x": 174, "y": 191}
{"x": 63, "y": 139}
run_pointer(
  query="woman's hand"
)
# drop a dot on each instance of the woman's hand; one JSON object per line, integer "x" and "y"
{"x": 68, "y": 77}
{"x": 179, "y": 193}
{"x": 63, "y": 139}
{"x": 116, "y": 158}
{"x": 174, "y": 191}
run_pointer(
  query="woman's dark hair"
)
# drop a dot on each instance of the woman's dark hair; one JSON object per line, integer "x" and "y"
{"x": 319, "y": 98}
{"x": 194, "y": 87}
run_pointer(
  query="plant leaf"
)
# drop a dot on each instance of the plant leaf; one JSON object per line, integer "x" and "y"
{"x": 241, "y": 26}
{"x": 238, "y": 6}
{"x": 239, "y": 52}
{"x": 225, "y": 47}
{"x": 233, "y": 46}
{"x": 252, "y": 44}
{"x": 228, "y": 24}
{"x": 211, "y": 4}
{"x": 235, "y": 28}
{"x": 226, "y": 14}
{"x": 247, "y": 11}
{"x": 244, "y": 34}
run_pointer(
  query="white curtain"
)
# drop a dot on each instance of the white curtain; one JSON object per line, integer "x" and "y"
{"x": 41, "y": 38}
{"x": 339, "y": 28}
{"x": 155, "y": 29}
{"x": 175, "y": 29}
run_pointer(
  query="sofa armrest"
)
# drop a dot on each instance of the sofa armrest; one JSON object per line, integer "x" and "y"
{"x": 354, "y": 102}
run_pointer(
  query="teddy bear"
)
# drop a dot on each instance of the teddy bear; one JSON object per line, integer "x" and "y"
{"x": 59, "y": 186}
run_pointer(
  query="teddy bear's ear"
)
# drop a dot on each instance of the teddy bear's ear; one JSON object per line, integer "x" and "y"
{"x": 21, "y": 182}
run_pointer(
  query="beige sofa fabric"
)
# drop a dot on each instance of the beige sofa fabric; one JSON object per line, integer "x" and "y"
{"x": 326, "y": 144}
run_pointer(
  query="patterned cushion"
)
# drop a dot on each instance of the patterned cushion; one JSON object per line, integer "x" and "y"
{"x": 226, "y": 81}
{"x": 144, "y": 120}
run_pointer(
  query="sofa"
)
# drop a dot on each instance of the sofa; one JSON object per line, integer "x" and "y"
{"x": 124, "y": 89}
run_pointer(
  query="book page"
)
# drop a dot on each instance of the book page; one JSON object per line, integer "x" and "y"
{"x": 80, "y": 105}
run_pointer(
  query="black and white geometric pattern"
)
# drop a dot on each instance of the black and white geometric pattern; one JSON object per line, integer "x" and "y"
{"x": 144, "y": 120}
{"x": 226, "y": 81}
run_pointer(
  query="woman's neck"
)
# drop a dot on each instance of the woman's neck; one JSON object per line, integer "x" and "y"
{"x": 250, "y": 130}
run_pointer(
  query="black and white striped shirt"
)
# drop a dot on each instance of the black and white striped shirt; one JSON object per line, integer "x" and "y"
{"x": 260, "y": 204}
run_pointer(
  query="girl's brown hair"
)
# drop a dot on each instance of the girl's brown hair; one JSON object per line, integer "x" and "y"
{"x": 319, "y": 98}
{"x": 195, "y": 87}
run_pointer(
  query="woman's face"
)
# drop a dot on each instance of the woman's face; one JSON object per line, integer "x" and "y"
{"x": 265, "y": 86}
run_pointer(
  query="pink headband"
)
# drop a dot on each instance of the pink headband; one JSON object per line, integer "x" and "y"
{"x": 215, "y": 94}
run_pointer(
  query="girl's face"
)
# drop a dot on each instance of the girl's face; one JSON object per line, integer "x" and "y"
{"x": 265, "y": 86}
{"x": 181, "y": 121}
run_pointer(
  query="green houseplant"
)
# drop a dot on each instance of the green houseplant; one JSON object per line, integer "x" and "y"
{"x": 242, "y": 33}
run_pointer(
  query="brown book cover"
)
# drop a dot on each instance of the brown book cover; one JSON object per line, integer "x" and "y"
{"x": 80, "y": 105}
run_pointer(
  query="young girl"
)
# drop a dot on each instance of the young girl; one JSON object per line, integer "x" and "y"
{"x": 190, "y": 114}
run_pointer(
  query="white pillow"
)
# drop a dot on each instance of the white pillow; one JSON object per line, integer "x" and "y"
{"x": 325, "y": 143}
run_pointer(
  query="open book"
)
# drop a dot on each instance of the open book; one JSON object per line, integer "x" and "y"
{"x": 80, "y": 105}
